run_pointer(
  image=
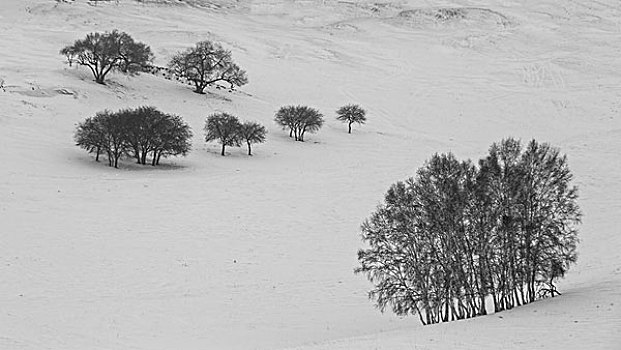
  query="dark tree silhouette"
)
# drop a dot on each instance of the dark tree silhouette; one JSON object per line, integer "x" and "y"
{"x": 134, "y": 132}
{"x": 287, "y": 117}
{"x": 90, "y": 135}
{"x": 299, "y": 120}
{"x": 149, "y": 131}
{"x": 224, "y": 128}
{"x": 105, "y": 52}
{"x": 172, "y": 139}
{"x": 351, "y": 114}
{"x": 115, "y": 144}
{"x": 102, "y": 133}
{"x": 455, "y": 235}
{"x": 133, "y": 56}
{"x": 549, "y": 212}
{"x": 252, "y": 132}
{"x": 207, "y": 63}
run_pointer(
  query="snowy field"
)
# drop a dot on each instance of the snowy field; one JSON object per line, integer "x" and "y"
{"x": 238, "y": 252}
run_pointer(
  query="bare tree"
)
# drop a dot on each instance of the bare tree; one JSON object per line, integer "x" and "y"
{"x": 455, "y": 235}
{"x": 299, "y": 120}
{"x": 252, "y": 132}
{"x": 351, "y": 114}
{"x": 133, "y": 56}
{"x": 136, "y": 133}
{"x": 223, "y": 127}
{"x": 207, "y": 63}
{"x": 105, "y": 52}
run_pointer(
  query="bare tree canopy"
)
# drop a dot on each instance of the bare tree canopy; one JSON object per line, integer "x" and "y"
{"x": 105, "y": 52}
{"x": 457, "y": 236}
{"x": 207, "y": 63}
{"x": 351, "y": 114}
{"x": 223, "y": 127}
{"x": 299, "y": 120}
{"x": 138, "y": 133}
{"x": 252, "y": 132}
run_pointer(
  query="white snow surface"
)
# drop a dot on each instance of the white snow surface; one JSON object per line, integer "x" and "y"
{"x": 238, "y": 252}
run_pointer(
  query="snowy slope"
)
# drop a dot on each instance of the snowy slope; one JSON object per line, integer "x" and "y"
{"x": 257, "y": 252}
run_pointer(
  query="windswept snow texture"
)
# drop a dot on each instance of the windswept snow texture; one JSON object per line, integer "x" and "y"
{"x": 238, "y": 252}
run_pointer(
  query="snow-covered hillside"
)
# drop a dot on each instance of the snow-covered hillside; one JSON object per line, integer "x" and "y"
{"x": 238, "y": 252}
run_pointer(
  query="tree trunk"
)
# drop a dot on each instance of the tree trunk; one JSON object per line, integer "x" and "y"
{"x": 349, "y": 128}
{"x": 482, "y": 307}
{"x": 100, "y": 74}
{"x": 249, "y": 149}
{"x": 420, "y": 317}
{"x": 223, "y": 145}
{"x": 143, "y": 159}
{"x": 532, "y": 288}
{"x": 199, "y": 87}
{"x": 516, "y": 296}
{"x": 98, "y": 152}
{"x": 159, "y": 155}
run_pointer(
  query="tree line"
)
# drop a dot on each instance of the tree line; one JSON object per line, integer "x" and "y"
{"x": 203, "y": 65}
{"x": 457, "y": 237}
{"x": 146, "y": 133}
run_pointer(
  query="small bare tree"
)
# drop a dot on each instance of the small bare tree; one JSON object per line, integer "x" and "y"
{"x": 252, "y": 132}
{"x": 351, "y": 114}
{"x": 223, "y": 127}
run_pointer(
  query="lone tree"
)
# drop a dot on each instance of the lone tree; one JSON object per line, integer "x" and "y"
{"x": 224, "y": 128}
{"x": 105, "y": 52}
{"x": 134, "y": 132}
{"x": 351, "y": 114}
{"x": 207, "y": 63}
{"x": 252, "y": 132}
{"x": 299, "y": 120}
{"x": 457, "y": 235}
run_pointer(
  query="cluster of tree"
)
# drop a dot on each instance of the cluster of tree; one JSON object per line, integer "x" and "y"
{"x": 139, "y": 133}
{"x": 205, "y": 64}
{"x": 301, "y": 119}
{"x": 457, "y": 237}
{"x": 229, "y": 131}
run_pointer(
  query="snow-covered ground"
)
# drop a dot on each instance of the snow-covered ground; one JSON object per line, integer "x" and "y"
{"x": 239, "y": 252}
